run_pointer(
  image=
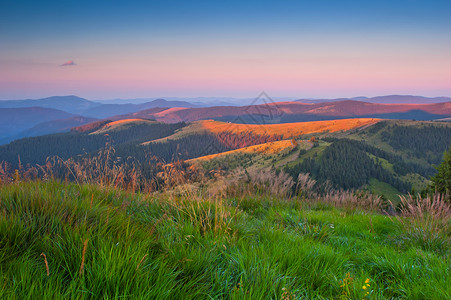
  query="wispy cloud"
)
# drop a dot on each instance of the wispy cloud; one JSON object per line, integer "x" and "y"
{"x": 68, "y": 63}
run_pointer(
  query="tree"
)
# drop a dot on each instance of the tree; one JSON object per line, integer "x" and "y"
{"x": 441, "y": 182}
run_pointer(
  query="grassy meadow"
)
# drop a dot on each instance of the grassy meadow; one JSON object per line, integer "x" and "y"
{"x": 67, "y": 241}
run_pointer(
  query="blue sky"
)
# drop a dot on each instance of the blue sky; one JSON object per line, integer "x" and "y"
{"x": 224, "y": 48}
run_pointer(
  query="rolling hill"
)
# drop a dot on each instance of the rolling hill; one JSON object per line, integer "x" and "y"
{"x": 269, "y": 148}
{"x": 368, "y": 153}
{"x": 388, "y": 157}
{"x": 121, "y": 125}
{"x": 287, "y": 130}
{"x": 35, "y": 150}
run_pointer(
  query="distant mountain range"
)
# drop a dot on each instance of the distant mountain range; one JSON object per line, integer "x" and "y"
{"x": 108, "y": 110}
{"x": 70, "y": 104}
{"x": 16, "y": 120}
{"x": 230, "y": 101}
{"x": 24, "y": 118}
{"x": 80, "y": 106}
{"x": 390, "y": 99}
{"x": 48, "y": 127}
{"x": 284, "y": 112}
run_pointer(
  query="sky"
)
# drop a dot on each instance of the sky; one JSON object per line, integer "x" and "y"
{"x": 306, "y": 49}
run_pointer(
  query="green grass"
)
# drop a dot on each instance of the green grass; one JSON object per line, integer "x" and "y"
{"x": 383, "y": 188}
{"x": 143, "y": 247}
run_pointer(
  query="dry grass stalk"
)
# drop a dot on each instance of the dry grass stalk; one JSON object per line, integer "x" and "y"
{"x": 351, "y": 200}
{"x": 141, "y": 261}
{"x": 106, "y": 170}
{"x": 305, "y": 185}
{"x": 428, "y": 216}
{"x": 435, "y": 207}
{"x": 154, "y": 227}
{"x": 265, "y": 182}
{"x": 82, "y": 266}
{"x": 46, "y": 264}
{"x": 107, "y": 216}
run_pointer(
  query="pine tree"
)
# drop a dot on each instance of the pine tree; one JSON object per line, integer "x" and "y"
{"x": 441, "y": 182}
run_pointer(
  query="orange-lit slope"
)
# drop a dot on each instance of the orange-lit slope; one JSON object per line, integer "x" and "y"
{"x": 267, "y": 148}
{"x": 289, "y": 129}
{"x": 118, "y": 124}
{"x": 122, "y": 122}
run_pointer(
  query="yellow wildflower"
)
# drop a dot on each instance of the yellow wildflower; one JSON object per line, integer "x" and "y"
{"x": 367, "y": 280}
{"x": 364, "y": 287}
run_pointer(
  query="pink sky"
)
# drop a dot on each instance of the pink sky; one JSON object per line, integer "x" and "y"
{"x": 232, "y": 74}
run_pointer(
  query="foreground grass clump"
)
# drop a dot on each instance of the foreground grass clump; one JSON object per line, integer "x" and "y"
{"x": 104, "y": 243}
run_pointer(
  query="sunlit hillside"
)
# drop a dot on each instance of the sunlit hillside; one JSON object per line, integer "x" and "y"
{"x": 287, "y": 130}
{"x": 266, "y": 148}
{"x": 121, "y": 125}
{"x": 290, "y": 129}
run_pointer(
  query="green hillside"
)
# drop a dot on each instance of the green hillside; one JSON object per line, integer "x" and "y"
{"x": 65, "y": 241}
{"x": 415, "y": 141}
{"x": 385, "y": 158}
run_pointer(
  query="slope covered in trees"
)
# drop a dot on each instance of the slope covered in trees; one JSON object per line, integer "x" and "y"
{"x": 347, "y": 164}
{"x": 427, "y": 142}
{"x": 36, "y": 150}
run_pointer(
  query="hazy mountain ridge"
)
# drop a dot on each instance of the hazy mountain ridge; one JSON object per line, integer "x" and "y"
{"x": 181, "y": 111}
{"x": 25, "y": 118}
{"x": 388, "y": 99}
{"x": 15, "y": 120}
{"x": 50, "y": 127}
{"x": 276, "y": 111}
{"x": 109, "y": 110}
{"x": 71, "y": 104}
{"x": 87, "y": 108}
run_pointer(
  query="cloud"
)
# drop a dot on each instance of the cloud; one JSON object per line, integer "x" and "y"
{"x": 68, "y": 63}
